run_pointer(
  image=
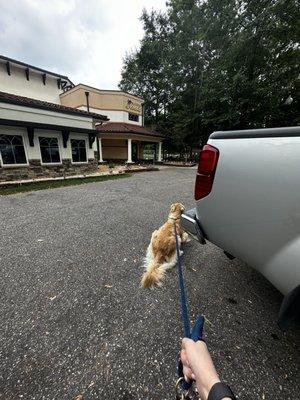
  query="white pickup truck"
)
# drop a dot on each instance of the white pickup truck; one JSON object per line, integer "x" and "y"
{"x": 247, "y": 194}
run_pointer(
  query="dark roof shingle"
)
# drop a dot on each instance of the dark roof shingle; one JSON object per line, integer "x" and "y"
{"x": 123, "y": 127}
{"x": 45, "y": 105}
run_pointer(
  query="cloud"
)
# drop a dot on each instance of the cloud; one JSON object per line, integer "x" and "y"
{"x": 85, "y": 40}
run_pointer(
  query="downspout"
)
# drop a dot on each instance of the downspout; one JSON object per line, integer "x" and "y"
{"x": 143, "y": 114}
{"x": 87, "y": 101}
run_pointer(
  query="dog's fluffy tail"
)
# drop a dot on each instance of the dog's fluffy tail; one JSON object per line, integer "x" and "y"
{"x": 153, "y": 275}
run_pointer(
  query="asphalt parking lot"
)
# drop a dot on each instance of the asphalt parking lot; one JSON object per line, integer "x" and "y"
{"x": 74, "y": 320}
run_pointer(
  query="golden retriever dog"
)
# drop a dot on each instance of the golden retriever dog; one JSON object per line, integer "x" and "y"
{"x": 161, "y": 252}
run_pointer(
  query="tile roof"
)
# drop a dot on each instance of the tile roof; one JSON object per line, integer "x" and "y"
{"x": 123, "y": 127}
{"x": 45, "y": 105}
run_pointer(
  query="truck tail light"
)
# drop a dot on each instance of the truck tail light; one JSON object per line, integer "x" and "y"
{"x": 208, "y": 160}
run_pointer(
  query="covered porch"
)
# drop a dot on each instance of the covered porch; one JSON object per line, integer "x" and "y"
{"x": 126, "y": 143}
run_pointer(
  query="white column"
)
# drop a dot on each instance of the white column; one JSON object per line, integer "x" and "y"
{"x": 129, "y": 161}
{"x": 100, "y": 150}
{"x": 159, "y": 159}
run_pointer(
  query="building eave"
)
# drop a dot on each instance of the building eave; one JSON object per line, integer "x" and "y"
{"x": 158, "y": 136}
{"x": 22, "y": 101}
{"x": 52, "y": 127}
{"x": 33, "y": 68}
{"x": 126, "y": 128}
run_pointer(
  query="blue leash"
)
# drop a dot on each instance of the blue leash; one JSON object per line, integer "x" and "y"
{"x": 198, "y": 327}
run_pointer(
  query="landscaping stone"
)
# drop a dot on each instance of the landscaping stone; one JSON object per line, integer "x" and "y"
{"x": 36, "y": 170}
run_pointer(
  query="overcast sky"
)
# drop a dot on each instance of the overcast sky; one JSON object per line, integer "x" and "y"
{"x": 84, "y": 39}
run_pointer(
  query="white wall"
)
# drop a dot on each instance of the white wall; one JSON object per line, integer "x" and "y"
{"x": 16, "y": 83}
{"x": 21, "y": 113}
{"x": 114, "y": 116}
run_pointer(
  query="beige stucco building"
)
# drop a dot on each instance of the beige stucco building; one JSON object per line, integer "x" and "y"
{"x": 51, "y": 128}
{"x": 124, "y": 137}
{"x": 39, "y": 137}
{"x": 118, "y": 106}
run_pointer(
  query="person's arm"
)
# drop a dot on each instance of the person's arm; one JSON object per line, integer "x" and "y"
{"x": 198, "y": 365}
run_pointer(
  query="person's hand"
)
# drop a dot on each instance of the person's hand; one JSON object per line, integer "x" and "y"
{"x": 198, "y": 365}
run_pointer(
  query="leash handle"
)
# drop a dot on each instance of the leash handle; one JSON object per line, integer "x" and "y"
{"x": 196, "y": 335}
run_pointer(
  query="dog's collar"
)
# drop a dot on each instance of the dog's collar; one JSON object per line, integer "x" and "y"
{"x": 174, "y": 219}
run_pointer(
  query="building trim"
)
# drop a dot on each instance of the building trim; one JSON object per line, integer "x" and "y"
{"x": 134, "y": 137}
{"x": 38, "y": 125}
{"x": 111, "y": 109}
{"x": 9, "y": 98}
{"x": 86, "y": 151}
{"x": 25, "y": 150}
{"x": 60, "y": 147}
{"x": 97, "y": 90}
{"x": 157, "y": 136}
{"x": 126, "y": 127}
{"x": 23, "y": 64}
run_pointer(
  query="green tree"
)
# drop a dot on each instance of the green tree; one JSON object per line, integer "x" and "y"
{"x": 217, "y": 64}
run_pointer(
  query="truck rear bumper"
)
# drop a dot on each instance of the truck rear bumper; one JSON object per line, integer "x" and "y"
{"x": 191, "y": 225}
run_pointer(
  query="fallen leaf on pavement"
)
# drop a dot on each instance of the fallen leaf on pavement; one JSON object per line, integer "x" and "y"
{"x": 108, "y": 286}
{"x": 208, "y": 321}
{"x": 79, "y": 397}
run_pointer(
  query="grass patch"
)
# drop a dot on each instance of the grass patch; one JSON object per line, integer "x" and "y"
{"x": 29, "y": 187}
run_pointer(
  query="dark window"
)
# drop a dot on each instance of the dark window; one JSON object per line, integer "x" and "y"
{"x": 49, "y": 150}
{"x": 78, "y": 150}
{"x": 133, "y": 117}
{"x": 12, "y": 149}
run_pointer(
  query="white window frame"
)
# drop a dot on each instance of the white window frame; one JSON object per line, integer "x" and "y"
{"x": 25, "y": 150}
{"x": 79, "y": 137}
{"x": 49, "y": 136}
